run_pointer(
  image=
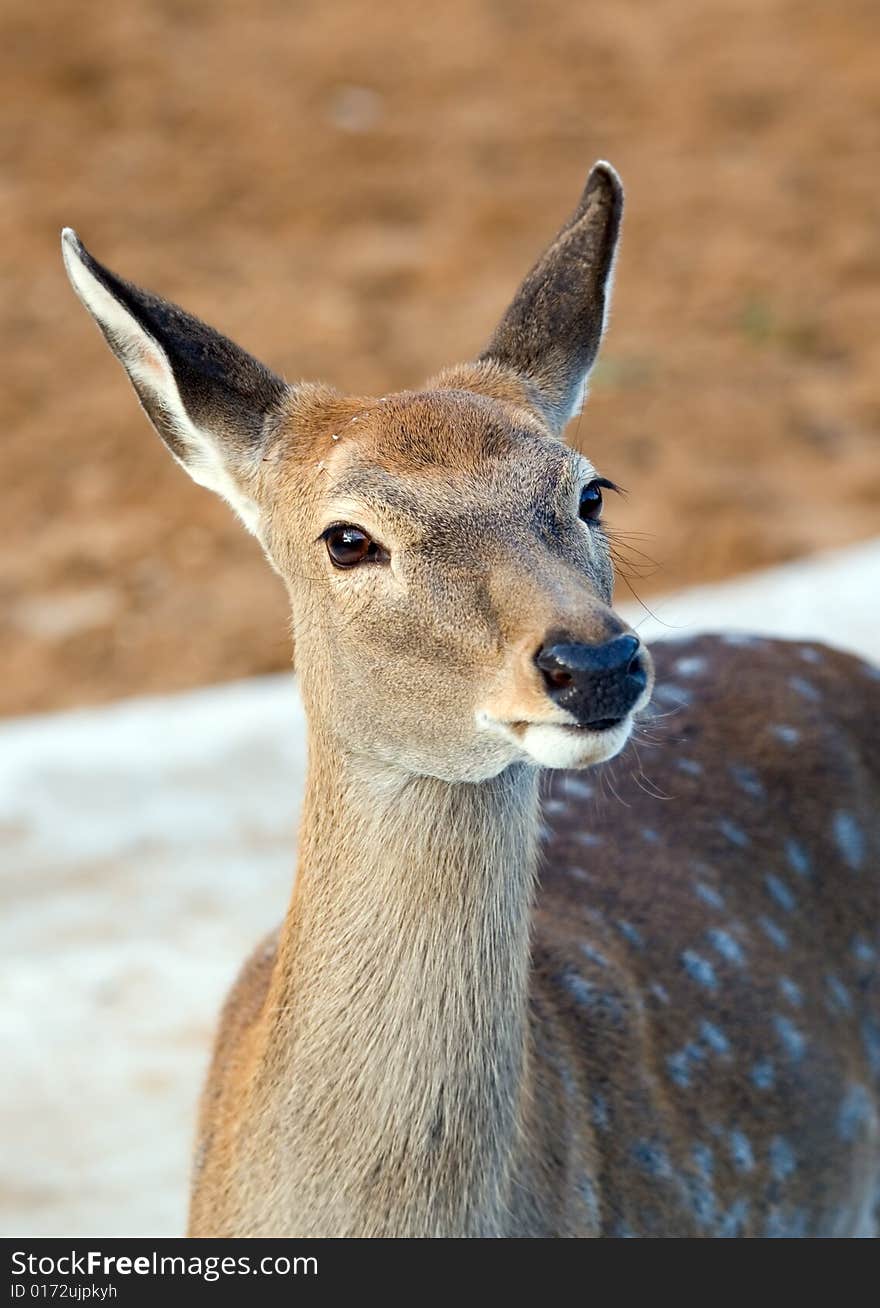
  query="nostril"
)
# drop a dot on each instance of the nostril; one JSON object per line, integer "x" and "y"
{"x": 556, "y": 670}
{"x": 637, "y": 669}
{"x": 636, "y": 666}
{"x": 629, "y": 651}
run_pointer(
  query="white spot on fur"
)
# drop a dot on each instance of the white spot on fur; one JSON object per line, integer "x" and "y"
{"x": 631, "y": 934}
{"x": 862, "y": 950}
{"x": 578, "y": 788}
{"x": 599, "y": 1113}
{"x": 748, "y": 780}
{"x": 780, "y": 892}
{"x": 740, "y": 639}
{"x": 793, "y": 1041}
{"x": 850, "y": 840}
{"x": 699, "y": 969}
{"x": 714, "y": 1037}
{"x": 839, "y": 997}
{"x": 805, "y": 688}
{"x": 732, "y": 832}
{"x": 729, "y": 948}
{"x": 773, "y": 932}
{"x": 708, "y": 894}
{"x": 857, "y": 1113}
{"x": 579, "y": 874}
{"x": 741, "y": 1151}
{"x": 763, "y": 1074}
{"x": 782, "y": 1158}
{"x": 791, "y": 991}
{"x": 690, "y": 665}
{"x": 798, "y": 859}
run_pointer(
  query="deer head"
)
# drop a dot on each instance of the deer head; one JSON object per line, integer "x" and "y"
{"x": 443, "y": 549}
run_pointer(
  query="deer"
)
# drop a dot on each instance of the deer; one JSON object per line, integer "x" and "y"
{"x": 523, "y": 989}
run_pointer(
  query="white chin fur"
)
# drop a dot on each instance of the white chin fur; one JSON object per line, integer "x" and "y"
{"x": 557, "y": 747}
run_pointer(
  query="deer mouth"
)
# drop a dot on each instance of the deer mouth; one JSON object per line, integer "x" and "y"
{"x": 601, "y": 724}
{"x": 570, "y": 728}
{"x": 566, "y": 744}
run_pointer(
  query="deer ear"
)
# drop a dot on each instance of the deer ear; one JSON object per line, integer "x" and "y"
{"x": 214, "y": 406}
{"x": 551, "y": 333}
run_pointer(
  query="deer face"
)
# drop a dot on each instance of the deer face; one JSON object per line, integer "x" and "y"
{"x": 449, "y": 578}
{"x": 449, "y": 575}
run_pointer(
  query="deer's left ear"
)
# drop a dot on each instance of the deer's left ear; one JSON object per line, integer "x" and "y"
{"x": 551, "y": 333}
{"x": 212, "y": 403}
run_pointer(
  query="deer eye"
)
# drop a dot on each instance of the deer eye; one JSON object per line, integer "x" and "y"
{"x": 590, "y": 505}
{"x": 348, "y": 546}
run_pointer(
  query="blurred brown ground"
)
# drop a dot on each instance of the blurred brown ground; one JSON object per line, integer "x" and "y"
{"x": 352, "y": 191}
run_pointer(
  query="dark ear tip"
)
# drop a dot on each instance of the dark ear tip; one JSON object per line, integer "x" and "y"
{"x": 609, "y": 171}
{"x": 604, "y": 190}
{"x": 605, "y": 176}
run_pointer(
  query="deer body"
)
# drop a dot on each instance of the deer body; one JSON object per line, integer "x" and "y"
{"x": 501, "y": 1003}
{"x": 692, "y": 1049}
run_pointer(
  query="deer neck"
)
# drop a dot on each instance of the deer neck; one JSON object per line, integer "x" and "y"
{"x": 397, "y": 1052}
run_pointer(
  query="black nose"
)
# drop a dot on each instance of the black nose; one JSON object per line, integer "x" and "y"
{"x": 598, "y": 684}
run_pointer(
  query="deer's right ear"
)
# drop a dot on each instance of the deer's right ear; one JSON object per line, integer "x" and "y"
{"x": 214, "y": 405}
{"x": 551, "y": 333}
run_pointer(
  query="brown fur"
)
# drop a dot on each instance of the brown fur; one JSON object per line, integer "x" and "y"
{"x": 613, "y": 1145}
{"x": 677, "y": 1032}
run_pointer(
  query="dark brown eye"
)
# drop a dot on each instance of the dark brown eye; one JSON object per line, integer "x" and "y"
{"x": 590, "y": 506}
{"x": 348, "y": 546}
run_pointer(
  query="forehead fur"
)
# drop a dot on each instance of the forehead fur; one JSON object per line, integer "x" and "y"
{"x": 455, "y": 431}
{"x": 447, "y": 458}
{"x": 444, "y": 430}
{"x": 425, "y": 431}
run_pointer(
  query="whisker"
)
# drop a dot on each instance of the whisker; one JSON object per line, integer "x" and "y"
{"x": 648, "y": 787}
{"x": 656, "y": 716}
{"x": 615, "y": 792}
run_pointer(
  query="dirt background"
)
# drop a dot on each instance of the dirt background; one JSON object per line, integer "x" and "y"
{"x": 352, "y": 192}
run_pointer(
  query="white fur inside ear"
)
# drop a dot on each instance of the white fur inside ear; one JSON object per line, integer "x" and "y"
{"x": 583, "y": 390}
{"x": 608, "y": 288}
{"x": 579, "y": 400}
{"x": 147, "y": 364}
{"x": 608, "y": 292}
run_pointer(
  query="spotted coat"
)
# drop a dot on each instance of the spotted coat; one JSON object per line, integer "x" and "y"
{"x": 706, "y": 954}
